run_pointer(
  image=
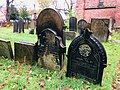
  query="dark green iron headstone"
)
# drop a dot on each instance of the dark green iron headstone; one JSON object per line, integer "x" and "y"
{"x": 86, "y": 58}
{"x": 6, "y": 49}
{"x": 25, "y": 52}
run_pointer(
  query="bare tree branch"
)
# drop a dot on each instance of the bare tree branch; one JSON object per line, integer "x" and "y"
{"x": 11, "y": 1}
{"x": 67, "y": 4}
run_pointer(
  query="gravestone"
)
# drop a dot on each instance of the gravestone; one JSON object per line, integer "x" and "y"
{"x": 15, "y": 27}
{"x": 86, "y": 58}
{"x": 26, "y": 24}
{"x": 32, "y": 27}
{"x": 51, "y": 49}
{"x": 81, "y": 25}
{"x": 70, "y": 35}
{"x": 100, "y": 28}
{"x": 25, "y": 52}
{"x": 6, "y": 49}
{"x": 21, "y": 25}
{"x": 73, "y": 24}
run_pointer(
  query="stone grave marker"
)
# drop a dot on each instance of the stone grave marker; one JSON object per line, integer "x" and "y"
{"x": 6, "y": 49}
{"x": 25, "y": 52}
{"x": 15, "y": 27}
{"x": 86, "y": 58}
{"x": 73, "y": 24}
{"x": 70, "y": 35}
{"x": 21, "y": 25}
{"x": 51, "y": 49}
{"x": 81, "y": 25}
{"x": 100, "y": 28}
{"x": 32, "y": 27}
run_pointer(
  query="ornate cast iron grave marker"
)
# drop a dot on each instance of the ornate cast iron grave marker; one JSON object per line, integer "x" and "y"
{"x": 86, "y": 58}
{"x": 51, "y": 43}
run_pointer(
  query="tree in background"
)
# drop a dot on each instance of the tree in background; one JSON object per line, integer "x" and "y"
{"x": 44, "y": 3}
{"x": 8, "y": 2}
{"x": 24, "y": 12}
{"x": 68, "y": 5}
{"x": 13, "y": 13}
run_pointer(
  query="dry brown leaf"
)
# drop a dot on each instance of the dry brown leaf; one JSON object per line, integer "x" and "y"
{"x": 24, "y": 88}
{"x": 42, "y": 84}
{"x": 28, "y": 72}
{"x": 2, "y": 85}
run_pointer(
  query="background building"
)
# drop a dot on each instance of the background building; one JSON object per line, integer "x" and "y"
{"x": 87, "y": 9}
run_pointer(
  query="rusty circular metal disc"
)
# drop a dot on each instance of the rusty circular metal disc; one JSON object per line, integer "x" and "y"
{"x": 49, "y": 18}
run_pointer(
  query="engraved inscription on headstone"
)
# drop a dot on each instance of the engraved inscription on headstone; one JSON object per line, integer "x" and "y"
{"x": 51, "y": 47}
{"x": 6, "y": 49}
{"x": 86, "y": 58}
{"x": 25, "y": 52}
{"x": 100, "y": 28}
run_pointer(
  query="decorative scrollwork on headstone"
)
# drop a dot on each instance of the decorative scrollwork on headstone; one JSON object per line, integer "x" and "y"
{"x": 86, "y": 58}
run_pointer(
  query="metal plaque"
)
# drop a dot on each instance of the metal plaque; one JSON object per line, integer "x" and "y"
{"x": 86, "y": 58}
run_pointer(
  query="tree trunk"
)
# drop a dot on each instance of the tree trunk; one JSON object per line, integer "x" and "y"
{"x": 7, "y": 11}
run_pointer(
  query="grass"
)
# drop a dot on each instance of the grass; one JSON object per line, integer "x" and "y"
{"x": 16, "y": 76}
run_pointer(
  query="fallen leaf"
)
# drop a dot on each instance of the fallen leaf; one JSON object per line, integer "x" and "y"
{"x": 67, "y": 89}
{"x": 42, "y": 84}
{"x": 2, "y": 85}
{"x": 39, "y": 75}
{"x": 24, "y": 88}
{"x": 28, "y": 72}
{"x": 48, "y": 78}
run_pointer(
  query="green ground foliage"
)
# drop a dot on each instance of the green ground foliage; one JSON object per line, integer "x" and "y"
{"x": 16, "y": 76}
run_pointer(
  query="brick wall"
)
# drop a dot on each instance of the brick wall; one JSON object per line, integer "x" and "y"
{"x": 87, "y": 9}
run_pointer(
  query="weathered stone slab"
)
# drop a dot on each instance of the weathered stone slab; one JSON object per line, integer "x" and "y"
{"x": 6, "y": 49}
{"x": 25, "y": 52}
{"x": 100, "y": 28}
{"x": 70, "y": 35}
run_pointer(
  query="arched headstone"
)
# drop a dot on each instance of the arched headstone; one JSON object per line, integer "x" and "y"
{"x": 81, "y": 25}
{"x": 51, "y": 43}
{"x": 86, "y": 58}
